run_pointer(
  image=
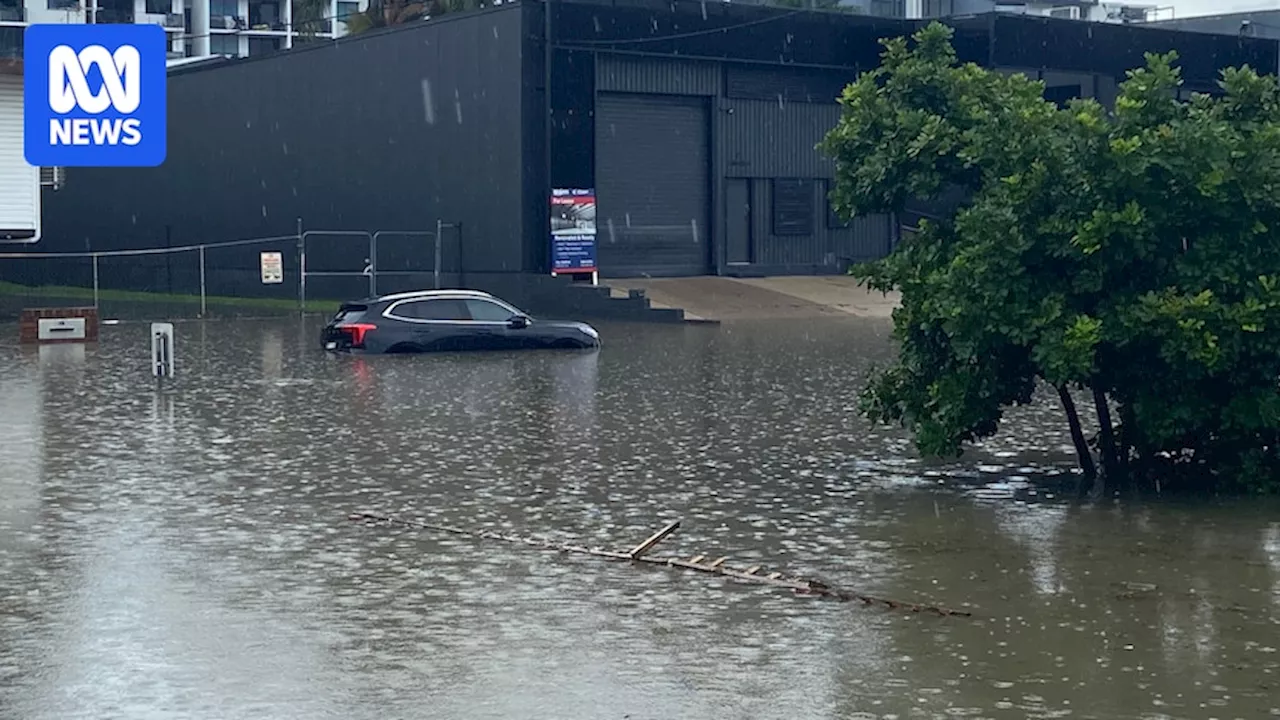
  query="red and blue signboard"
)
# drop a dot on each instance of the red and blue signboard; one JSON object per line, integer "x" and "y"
{"x": 573, "y": 231}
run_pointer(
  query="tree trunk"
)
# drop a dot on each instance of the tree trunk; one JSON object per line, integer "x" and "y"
{"x": 1077, "y": 434}
{"x": 1106, "y": 434}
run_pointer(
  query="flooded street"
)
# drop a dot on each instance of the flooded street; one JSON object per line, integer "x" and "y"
{"x": 187, "y": 554}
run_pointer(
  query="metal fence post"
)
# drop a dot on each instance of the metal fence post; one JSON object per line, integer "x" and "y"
{"x": 95, "y": 280}
{"x": 436, "y": 270}
{"x": 373, "y": 265}
{"x": 462, "y": 260}
{"x": 203, "y": 307}
{"x": 302, "y": 269}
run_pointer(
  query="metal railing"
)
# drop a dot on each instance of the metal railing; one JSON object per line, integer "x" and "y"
{"x": 336, "y": 254}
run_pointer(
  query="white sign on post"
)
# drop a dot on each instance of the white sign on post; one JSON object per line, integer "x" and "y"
{"x": 272, "y": 268}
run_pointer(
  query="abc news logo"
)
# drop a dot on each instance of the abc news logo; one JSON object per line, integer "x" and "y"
{"x": 95, "y": 95}
{"x": 69, "y": 91}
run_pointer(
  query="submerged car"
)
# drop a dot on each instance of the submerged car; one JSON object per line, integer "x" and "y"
{"x": 446, "y": 320}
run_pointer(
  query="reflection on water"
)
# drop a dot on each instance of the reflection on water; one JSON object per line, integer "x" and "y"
{"x": 184, "y": 553}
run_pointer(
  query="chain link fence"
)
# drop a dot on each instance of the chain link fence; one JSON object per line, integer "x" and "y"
{"x": 309, "y": 271}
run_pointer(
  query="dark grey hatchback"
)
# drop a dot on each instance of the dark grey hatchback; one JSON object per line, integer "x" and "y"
{"x": 446, "y": 320}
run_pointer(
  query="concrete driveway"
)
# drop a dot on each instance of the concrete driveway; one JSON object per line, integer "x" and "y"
{"x": 724, "y": 298}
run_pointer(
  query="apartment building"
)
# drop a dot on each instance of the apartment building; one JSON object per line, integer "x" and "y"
{"x": 197, "y": 28}
{"x": 240, "y": 28}
{"x": 1087, "y": 10}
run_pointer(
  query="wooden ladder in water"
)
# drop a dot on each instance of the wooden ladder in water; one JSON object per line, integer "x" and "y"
{"x": 698, "y": 563}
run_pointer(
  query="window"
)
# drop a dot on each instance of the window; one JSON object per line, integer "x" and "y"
{"x": 224, "y": 45}
{"x": 264, "y": 15}
{"x": 262, "y": 46}
{"x": 487, "y": 311}
{"x": 219, "y": 9}
{"x": 159, "y": 7}
{"x": 11, "y": 42}
{"x": 433, "y": 310}
{"x": 792, "y": 207}
{"x": 346, "y": 10}
{"x": 63, "y": 4}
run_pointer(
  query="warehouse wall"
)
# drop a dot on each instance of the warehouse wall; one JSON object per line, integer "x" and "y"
{"x": 390, "y": 131}
{"x": 765, "y": 123}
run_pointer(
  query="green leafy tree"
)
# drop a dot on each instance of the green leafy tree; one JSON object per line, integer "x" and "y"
{"x": 1130, "y": 258}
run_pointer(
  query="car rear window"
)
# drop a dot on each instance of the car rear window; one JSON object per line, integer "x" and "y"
{"x": 350, "y": 311}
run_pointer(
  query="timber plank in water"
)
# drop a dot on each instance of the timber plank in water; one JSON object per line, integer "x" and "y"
{"x": 800, "y": 586}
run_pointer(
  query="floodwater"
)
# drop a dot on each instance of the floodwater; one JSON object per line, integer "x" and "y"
{"x": 186, "y": 554}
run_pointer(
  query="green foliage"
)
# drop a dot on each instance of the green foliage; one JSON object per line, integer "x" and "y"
{"x": 390, "y": 13}
{"x": 1135, "y": 253}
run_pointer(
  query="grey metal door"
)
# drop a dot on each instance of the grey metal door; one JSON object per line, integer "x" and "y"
{"x": 737, "y": 221}
{"x": 652, "y": 185}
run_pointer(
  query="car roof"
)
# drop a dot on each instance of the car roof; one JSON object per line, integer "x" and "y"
{"x": 424, "y": 294}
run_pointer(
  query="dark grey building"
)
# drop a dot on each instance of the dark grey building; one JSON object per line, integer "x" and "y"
{"x": 694, "y": 122}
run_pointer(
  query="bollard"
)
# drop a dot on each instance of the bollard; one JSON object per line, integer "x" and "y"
{"x": 162, "y": 351}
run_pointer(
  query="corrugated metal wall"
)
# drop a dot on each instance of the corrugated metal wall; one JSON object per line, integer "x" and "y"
{"x": 771, "y": 139}
{"x": 652, "y": 185}
{"x": 866, "y": 238}
{"x": 616, "y": 73}
{"x": 766, "y": 124}
{"x": 390, "y": 131}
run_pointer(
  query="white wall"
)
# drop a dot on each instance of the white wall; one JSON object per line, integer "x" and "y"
{"x": 19, "y": 182}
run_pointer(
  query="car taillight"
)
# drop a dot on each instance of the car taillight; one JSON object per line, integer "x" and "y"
{"x": 357, "y": 331}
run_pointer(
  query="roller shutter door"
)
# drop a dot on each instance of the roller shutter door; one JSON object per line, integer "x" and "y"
{"x": 652, "y": 186}
{"x": 19, "y": 182}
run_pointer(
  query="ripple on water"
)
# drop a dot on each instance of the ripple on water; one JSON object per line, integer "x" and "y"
{"x": 188, "y": 552}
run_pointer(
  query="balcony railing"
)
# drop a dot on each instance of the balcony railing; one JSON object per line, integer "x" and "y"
{"x": 8, "y": 13}
{"x": 227, "y": 22}
{"x": 113, "y": 16}
{"x": 168, "y": 20}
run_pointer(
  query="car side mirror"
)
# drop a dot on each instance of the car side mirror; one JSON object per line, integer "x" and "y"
{"x": 518, "y": 322}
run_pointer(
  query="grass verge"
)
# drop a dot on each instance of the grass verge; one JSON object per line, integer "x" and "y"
{"x": 8, "y": 289}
